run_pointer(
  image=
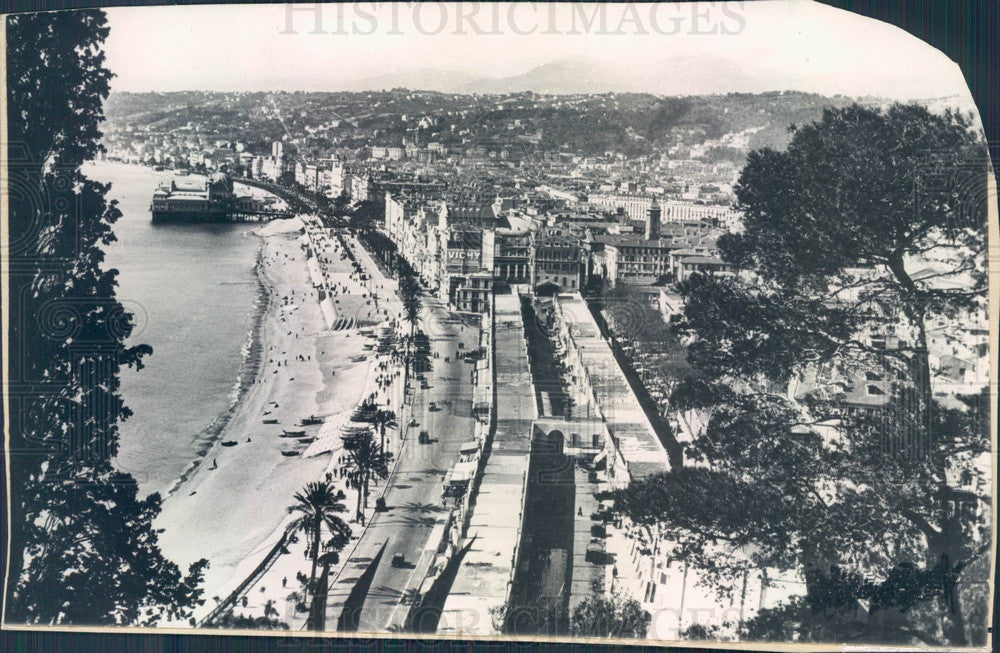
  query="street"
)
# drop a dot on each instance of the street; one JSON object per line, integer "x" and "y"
{"x": 413, "y": 494}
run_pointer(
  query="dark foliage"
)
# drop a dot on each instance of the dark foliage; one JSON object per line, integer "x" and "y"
{"x": 858, "y": 502}
{"x": 84, "y": 549}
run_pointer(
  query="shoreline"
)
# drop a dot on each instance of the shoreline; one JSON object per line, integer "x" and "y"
{"x": 246, "y": 376}
{"x": 231, "y": 510}
{"x": 296, "y": 355}
{"x": 198, "y": 312}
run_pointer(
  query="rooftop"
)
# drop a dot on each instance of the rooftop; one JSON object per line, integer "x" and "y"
{"x": 630, "y": 429}
{"x": 484, "y": 578}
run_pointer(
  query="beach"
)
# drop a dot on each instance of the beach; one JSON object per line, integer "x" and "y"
{"x": 231, "y": 506}
{"x": 247, "y": 322}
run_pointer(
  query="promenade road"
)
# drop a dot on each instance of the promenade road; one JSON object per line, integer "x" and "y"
{"x": 413, "y": 494}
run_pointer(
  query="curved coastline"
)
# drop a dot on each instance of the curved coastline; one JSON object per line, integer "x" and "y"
{"x": 249, "y": 368}
{"x": 245, "y": 378}
{"x": 194, "y": 288}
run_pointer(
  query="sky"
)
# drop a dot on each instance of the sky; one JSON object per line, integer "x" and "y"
{"x": 793, "y": 45}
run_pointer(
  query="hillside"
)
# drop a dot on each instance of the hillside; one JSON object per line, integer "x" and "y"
{"x": 631, "y": 123}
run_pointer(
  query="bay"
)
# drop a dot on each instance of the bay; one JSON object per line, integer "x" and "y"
{"x": 192, "y": 291}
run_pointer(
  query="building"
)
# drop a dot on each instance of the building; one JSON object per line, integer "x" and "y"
{"x": 307, "y": 175}
{"x": 471, "y": 213}
{"x": 485, "y": 577}
{"x": 644, "y": 567}
{"x": 360, "y": 187}
{"x": 333, "y": 178}
{"x": 684, "y": 265}
{"x": 272, "y": 168}
{"x": 388, "y": 153}
{"x": 471, "y": 293}
{"x": 634, "y": 450}
{"x": 192, "y": 199}
{"x": 407, "y": 185}
{"x": 412, "y": 227}
{"x": 636, "y": 207}
{"x": 632, "y": 256}
{"x": 466, "y": 271}
{"x": 512, "y": 259}
{"x": 558, "y": 260}
{"x": 688, "y": 212}
{"x": 663, "y": 250}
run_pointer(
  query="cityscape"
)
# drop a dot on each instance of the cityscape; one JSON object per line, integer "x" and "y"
{"x": 524, "y": 364}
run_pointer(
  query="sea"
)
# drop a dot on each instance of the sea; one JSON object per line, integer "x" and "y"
{"x": 193, "y": 292}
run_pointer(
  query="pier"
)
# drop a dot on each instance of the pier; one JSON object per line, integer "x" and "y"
{"x": 194, "y": 200}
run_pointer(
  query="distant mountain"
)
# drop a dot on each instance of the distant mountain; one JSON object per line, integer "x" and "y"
{"x": 425, "y": 79}
{"x": 673, "y": 75}
{"x": 563, "y": 76}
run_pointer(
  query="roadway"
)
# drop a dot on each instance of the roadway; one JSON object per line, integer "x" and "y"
{"x": 413, "y": 491}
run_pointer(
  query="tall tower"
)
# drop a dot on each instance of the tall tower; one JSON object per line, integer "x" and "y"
{"x": 653, "y": 220}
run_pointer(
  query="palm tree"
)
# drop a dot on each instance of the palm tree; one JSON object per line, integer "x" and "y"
{"x": 409, "y": 295}
{"x": 367, "y": 459}
{"x": 365, "y": 412}
{"x": 319, "y": 504}
{"x": 411, "y": 310}
{"x": 383, "y": 419}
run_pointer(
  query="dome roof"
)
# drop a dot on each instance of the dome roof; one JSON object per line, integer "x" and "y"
{"x": 220, "y": 182}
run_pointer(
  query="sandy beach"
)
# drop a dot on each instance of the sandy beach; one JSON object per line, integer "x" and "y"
{"x": 232, "y": 505}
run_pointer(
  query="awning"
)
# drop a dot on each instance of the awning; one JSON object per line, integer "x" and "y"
{"x": 600, "y": 459}
{"x": 463, "y": 471}
{"x": 470, "y": 447}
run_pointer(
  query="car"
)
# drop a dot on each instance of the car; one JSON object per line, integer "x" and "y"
{"x": 433, "y": 406}
{"x": 424, "y": 438}
{"x": 398, "y": 560}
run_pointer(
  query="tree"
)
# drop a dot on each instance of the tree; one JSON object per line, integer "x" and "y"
{"x": 384, "y": 419}
{"x": 409, "y": 295}
{"x": 615, "y": 617}
{"x": 319, "y": 505}
{"x": 365, "y": 215}
{"x": 268, "y": 621}
{"x": 84, "y": 550}
{"x": 367, "y": 460}
{"x": 869, "y": 228}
